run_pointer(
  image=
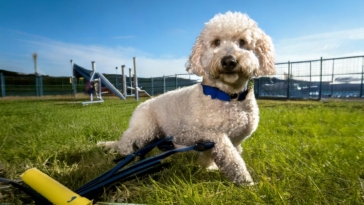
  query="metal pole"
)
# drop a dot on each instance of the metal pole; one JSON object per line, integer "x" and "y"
{"x": 93, "y": 71}
{"x": 99, "y": 93}
{"x": 320, "y": 91}
{"x": 124, "y": 79}
{"x": 93, "y": 66}
{"x": 176, "y": 82}
{"x": 62, "y": 84}
{"x": 116, "y": 77}
{"x": 36, "y": 86}
{"x": 131, "y": 83}
{"x": 362, "y": 78}
{"x": 2, "y": 83}
{"x": 73, "y": 80}
{"x": 288, "y": 80}
{"x": 309, "y": 88}
{"x": 35, "y": 55}
{"x": 151, "y": 79}
{"x": 164, "y": 84}
{"x": 136, "y": 81}
{"x": 40, "y": 86}
{"x": 332, "y": 78}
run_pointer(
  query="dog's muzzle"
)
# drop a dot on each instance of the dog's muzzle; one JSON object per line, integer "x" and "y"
{"x": 228, "y": 63}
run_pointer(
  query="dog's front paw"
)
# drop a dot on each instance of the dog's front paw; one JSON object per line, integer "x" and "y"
{"x": 244, "y": 180}
{"x": 212, "y": 167}
{"x": 250, "y": 183}
{"x": 111, "y": 146}
{"x": 244, "y": 183}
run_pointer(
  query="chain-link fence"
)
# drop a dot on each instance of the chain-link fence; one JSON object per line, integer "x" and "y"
{"x": 31, "y": 85}
{"x": 37, "y": 85}
{"x": 314, "y": 79}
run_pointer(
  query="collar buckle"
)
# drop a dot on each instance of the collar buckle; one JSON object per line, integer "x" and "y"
{"x": 233, "y": 96}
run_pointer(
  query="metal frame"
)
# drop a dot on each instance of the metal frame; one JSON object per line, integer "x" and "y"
{"x": 99, "y": 92}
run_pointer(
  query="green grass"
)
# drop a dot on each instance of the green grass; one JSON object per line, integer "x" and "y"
{"x": 302, "y": 153}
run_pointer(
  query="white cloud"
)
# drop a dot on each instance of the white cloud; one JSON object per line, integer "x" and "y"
{"x": 54, "y": 59}
{"x": 326, "y": 45}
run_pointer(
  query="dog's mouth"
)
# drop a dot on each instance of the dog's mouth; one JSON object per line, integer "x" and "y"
{"x": 229, "y": 72}
{"x": 238, "y": 72}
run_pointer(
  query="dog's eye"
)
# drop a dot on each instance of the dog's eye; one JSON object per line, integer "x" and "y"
{"x": 216, "y": 42}
{"x": 241, "y": 43}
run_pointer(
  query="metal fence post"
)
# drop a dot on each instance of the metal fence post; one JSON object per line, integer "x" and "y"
{"x": 36, "y": 86}
{"x": 2, "y": 84}
{"x": 74, "y": 84}
{"x": 136, "y": 80}
{"x": 320, "y": 90}
{"x": 116, "y": 77}
{"x": 176, "y": 82}
{"x": 131, "y": 84}
{"x": 73, "y": 81}
{"x": 362, "y": 78}
{"x": 152, "y": 84}
{"x": 332, "y": 77}
{"x": 309, "y": 88}
{"x": 288, "y": 80}
{"x": 40, "y": 86}
{"x": 124, "y": 79}
{"x": 164, "y": 84}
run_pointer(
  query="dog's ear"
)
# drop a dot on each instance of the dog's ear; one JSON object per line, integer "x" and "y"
{"x": 194, "y": 62}
{"x": 264, "y": 49}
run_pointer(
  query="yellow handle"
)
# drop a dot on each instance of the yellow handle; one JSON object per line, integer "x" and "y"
{"x": 52, "y": 190}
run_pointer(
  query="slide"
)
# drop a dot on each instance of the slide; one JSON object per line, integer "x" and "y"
{"x": 111, "y": 87}
{"x": 78, "y": 71}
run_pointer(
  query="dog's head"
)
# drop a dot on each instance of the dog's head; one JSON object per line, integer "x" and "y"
{"x": 231, "y": 49}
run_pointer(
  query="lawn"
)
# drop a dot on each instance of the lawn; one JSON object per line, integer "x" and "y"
{"x": 302, "y": 153}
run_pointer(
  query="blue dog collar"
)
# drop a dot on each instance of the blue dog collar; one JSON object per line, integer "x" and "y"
{"x": 215, "y": 93}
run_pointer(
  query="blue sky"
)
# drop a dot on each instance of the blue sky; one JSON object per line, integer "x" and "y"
{"x": 161, "y": 33}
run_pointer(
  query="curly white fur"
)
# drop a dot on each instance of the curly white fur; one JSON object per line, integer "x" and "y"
{"x": 191, "y": 117}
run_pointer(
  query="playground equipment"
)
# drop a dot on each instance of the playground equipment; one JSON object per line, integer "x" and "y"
{"x": 136, "y": 90}
{"x": 95, "y": 86}
{"x": 97, "y": 78}
{"x": 46, "y": 191}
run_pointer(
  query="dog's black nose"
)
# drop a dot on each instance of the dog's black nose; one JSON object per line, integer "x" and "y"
{"x": 228, "y": 63}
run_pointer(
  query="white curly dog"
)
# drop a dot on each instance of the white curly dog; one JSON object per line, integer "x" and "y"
{"x": 230, "y": 50}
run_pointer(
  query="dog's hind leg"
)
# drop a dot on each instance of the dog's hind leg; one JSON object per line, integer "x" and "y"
{"x": 133, "y": 140}
{"x": 142, "y": 130}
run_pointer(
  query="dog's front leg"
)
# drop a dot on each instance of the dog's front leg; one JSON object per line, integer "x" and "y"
{"x": 229, "y": 161}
